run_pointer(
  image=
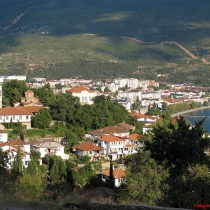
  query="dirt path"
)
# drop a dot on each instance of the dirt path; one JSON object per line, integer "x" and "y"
{"x": 181, "y": 47}
{"x": 165, "y": 42}
{"x": 17, "y": 18}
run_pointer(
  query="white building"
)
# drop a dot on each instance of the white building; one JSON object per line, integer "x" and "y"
{"x": 16, "y": 77}
{"x": 3, "y": 136}
{"x": 84, "y": 94}
{"x": 12, "y": 148}
{"x": 40, "y": 79}
{"x": 129, "y": 82}
{"x": 119, "y": 176}
{"x": 13, "y": 114}
{"x": 116, "y": 147}
{"x": 53, "y": 83}
{"x": 49, "y": 147}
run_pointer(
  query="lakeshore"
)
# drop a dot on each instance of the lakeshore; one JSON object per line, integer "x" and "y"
{"x": 190, "y": 110}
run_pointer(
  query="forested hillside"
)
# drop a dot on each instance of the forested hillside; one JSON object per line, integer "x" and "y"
{"x": 106, "y": 39}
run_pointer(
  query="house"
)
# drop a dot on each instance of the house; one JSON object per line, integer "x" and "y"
{"x": 120, "y": 129}
{"x": 116, "y": 147}
{"x": 141, "y": 118}
{"x": 126, "y": 102}
{"x": 119, "y": 176}
{"x": 84, "y": 94}
{"x": 11, "y": 148}
{"x": 3, "y": 136}
{"x": 88, "y": 148}
{"x": 33, "y": 110}
{"x": 135, "y": 139}
{"x": 49, "y": 147}
{"x": 13, "y": 114}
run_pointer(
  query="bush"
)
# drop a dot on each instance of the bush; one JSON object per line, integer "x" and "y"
{"x": 97, "y": 166}
{"x": 85, "y": 158}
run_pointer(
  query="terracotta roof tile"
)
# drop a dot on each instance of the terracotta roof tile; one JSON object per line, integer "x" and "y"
{"x": 117, "y": 172}
{"x": 13, "y": 111}
{"x": 110, "y": 138}
{"x": 29, "y": 91}
{"x": 119, "y": 128}
{"x": 88, "y": 146}
{"x": 134, "y": 136}
{"x": 31, "y": 109}
{"x": 79, "y": 89}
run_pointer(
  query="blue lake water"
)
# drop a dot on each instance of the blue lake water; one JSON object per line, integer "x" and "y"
{"x": 204, "y": 112}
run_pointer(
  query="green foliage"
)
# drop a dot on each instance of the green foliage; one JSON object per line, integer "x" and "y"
{"x": 180, "y": 148}
{"x": 45, "y": 94}
{"x": 177, "y": 145}
{"x": 56, "y": 170}
{"x": 64, "y": 107}
{"x": 13, "y": 91}
{"x": 111, "y": 181}
{"x": 99, "y": 44}
{"x": 18, "y": 129}
{"x": 83, "y": 175}
{"x": 84, "y": 118}
{"x": 144, "y": 180}
{"x": 17, "y": 167}
{"x": 97, "y": 166}
{"x": 4, "y": 174}
{"x": 192, "y": 186}
{"x": 30, "y": 187}
{"x": 42, "y": 119}
{"x": 85, "y": 158}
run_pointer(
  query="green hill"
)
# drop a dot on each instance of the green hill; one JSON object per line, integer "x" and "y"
{"x": 106, "y": 39}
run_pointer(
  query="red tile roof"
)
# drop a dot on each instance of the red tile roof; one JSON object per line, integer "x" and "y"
{"x": 13, "y": 111}
{"x": 78, "y": 89}
{"x": 31, "y": 109}
{"x": 3, "y": 131}
{"x": 29, "y": 91}
{"x": 110, "y": 138}
{"x": 119, "y": 128}
{"x": 88, "y": 146}
{"x": 117, "y": 172}
{"x": 134, "y": 136}
{"x": 138, "y": 115}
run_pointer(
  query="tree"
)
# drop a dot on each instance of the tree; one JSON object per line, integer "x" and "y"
{"x": 30, "y": 187}
{"x": 12, "y": 91}
{"x": 45, "y": 94}
{"x": 106, "y": 89}
{"x": 178, "y": 145}
{"x": 111, "y": 182}
{"x": 42, "y": 119}
{"x": 180, "y": 148}
{"x": 57, "y": 170}
{"x": 144, "y": 178}
{"x": 17, "y": 167}
{"x": 4, "y": 161}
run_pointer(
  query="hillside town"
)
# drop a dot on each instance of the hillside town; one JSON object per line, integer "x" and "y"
{"x": 109, "y": 144}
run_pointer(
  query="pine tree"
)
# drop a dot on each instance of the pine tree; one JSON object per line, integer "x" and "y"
{"x": 111, "y": 182}
{"x": 17, "y": 167}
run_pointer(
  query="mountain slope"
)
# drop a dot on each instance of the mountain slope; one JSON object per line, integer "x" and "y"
{"x": 102, "y": 39}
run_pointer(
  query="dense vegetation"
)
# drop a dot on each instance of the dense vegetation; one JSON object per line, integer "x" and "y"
{"x": 104, "y": 39}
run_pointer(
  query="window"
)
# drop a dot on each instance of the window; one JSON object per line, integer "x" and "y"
{"x": 89, "y": 98}
{"x": 7, "y": 117}
{"x": 0, "y": 117}
{"x": 13, "y": 117}
{"x": 82, "y": 98}
{"x": 20, "y": 117}
{"x": 85, "y": 98}
{"x": 26, "y": 117}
